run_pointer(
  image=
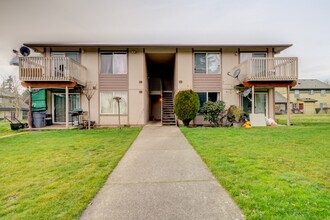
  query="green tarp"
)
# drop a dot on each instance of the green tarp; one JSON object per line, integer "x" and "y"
{"x": 39, "y": 101}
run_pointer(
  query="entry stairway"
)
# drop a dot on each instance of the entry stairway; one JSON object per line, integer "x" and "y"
{"x": 168, "y": 117}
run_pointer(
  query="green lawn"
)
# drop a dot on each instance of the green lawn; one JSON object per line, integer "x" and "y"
{"x": 271, "y": 172}
{"x": 6, "y": 130}
{"x": 55, "y": 174}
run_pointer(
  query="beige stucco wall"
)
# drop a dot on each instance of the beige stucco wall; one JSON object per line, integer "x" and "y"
{"x": 271, "y": 103}
{"x": 136, "y": 88}
{"x": 229, "y": 94}
{"x": 90, "y": 59}
{"x": 184, "y": 69}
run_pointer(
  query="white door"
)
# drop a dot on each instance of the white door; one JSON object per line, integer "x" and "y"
{"x": 261, "y": 103}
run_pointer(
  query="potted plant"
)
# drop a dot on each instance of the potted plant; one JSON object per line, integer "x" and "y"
{"x": 235, "y": 115}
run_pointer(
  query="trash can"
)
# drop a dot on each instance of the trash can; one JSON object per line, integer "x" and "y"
{"x": 39, "y": 119}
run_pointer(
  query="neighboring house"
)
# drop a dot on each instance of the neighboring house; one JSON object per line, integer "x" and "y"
{"x": 280, "y": 103}
{"x": 309, "y": 96}
{"x": 8, "y": 109}
{"x": 147, "y": 77}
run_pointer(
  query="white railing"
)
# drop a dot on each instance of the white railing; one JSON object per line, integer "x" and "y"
{"x": 267, "y": 69}
{"x": 51, "y": 69}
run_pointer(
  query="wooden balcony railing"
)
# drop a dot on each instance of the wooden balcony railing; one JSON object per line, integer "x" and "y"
{"x": 60, "y": 69}
{"x": 267, "y": 69}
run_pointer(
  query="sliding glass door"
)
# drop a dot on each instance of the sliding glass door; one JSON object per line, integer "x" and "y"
{"x": 59, "y": 105}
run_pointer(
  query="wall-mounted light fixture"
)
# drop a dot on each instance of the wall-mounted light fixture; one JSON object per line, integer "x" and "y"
{"x": 133, "y": 51}
{"x": 180, "y": 81}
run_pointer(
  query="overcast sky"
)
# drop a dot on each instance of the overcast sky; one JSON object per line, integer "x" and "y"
{"x": 305, "y": 24}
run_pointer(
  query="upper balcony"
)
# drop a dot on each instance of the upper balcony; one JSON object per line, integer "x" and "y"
{"x": 269, "y": 69}
{"x": 51, "y": 69}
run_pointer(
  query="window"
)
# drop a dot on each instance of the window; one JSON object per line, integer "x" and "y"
{"x": 323, "y": 92}
{"x": 208, "y": 96}
{"x": 245, "y": 56}
{"x": 296, "y": 93}
{"x": 73, "y": 55}
{"x": 311, "y": 92}
{"x": 110, "y": 106}
{"x": 207, "y": 63}
{"x": 113, "y": 63}
{"x": 323, "y": 105}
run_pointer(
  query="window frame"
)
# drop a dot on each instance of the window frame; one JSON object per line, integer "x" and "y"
{"x": 114, "y": 113}
{"x": 112, "y": 53}
{"x": 254, "y": 52}
{"x": 65, "y": 54}
{"x": 207, "y": 97}
{"x": 207, "y": 62}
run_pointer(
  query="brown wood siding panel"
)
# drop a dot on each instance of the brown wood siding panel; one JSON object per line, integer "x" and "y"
{"x": 113, "y": 82}
{"x": 207, "y": 82}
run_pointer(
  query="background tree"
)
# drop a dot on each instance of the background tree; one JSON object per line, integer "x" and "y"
{"x": 13, "y": 87}
{"x": 212, "y": 111}
{"x": 186, "y": 105}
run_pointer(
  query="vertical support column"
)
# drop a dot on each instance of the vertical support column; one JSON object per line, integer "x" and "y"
{"x": 67, "y": 107}
{"x": 288, "y": 106}
{"x": 30, "y": 108}
{"x": 252, "y": 106}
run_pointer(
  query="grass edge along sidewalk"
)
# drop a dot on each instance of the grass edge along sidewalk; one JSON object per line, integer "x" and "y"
{"x": 271, "y": 172}
{"x": 55, "y": 174}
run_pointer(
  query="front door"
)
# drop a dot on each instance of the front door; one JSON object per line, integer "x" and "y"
{"x": 59, "y": 105}
{"x": 260, "y": 103}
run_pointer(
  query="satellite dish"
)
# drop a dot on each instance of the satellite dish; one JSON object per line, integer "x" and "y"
{"x": 24, "y": 51}
{"x": 236, "y": 73}
{"x": 246, "y": 92}
{"x": 14, "y": 61}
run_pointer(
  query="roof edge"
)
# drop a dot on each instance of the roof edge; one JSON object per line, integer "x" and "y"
{"x": 277, "y": 47}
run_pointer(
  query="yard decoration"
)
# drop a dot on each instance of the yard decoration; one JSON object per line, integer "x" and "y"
{"x": 186, "y": 105}
{"x": 212, "y": 112}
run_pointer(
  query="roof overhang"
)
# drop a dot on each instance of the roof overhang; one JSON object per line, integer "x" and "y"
{"x": 276, "y": 47}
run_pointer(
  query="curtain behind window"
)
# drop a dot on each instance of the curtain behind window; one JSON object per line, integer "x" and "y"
{"x": 109, "y": 104}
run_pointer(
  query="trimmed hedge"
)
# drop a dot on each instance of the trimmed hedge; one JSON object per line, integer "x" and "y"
{"x": 186, "y": 105}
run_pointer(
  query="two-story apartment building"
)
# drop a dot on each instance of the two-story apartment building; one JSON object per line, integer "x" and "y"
{"x": 146, "y": 78}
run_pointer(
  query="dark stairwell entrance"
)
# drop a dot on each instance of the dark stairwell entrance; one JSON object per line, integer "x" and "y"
{"x": 160, "y": 69}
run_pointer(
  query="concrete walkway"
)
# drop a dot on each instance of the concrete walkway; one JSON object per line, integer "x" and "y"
{"x": 162, "y": 177}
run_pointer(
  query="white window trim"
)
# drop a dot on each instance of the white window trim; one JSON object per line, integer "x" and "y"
{"x": 208, "y": 52}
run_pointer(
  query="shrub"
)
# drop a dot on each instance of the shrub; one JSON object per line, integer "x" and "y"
{"x": 186, "y": 105}
{"x": 235, "y": 113}
{"x": 212, "y": 111}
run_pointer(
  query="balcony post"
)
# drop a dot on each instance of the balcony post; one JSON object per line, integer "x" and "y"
{"x": 67, "y": 107}
{"x": 288, "y": 106}
{"x": 252, "y": 106}
{"x": 30, "y": 109}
